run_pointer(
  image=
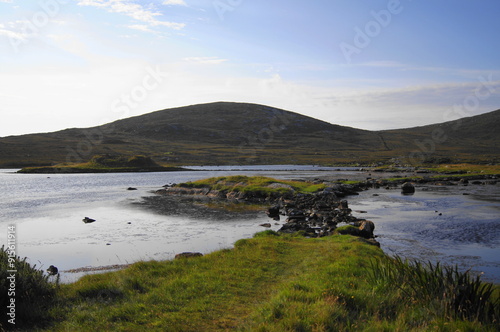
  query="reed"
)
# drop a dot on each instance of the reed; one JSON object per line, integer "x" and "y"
{"x": 31, "y": 290}
{"x": 452, "y": 294}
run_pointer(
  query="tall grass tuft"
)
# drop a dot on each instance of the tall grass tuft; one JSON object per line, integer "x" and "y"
{"x": 449, "y": 292}
{"x": 32, "y": 292}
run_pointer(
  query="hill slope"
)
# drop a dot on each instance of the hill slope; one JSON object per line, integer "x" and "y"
{"x": 240, "y": 133}
{"x": 474, "y": 138}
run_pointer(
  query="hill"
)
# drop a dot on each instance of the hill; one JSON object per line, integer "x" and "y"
{"x": 240, "y": 133}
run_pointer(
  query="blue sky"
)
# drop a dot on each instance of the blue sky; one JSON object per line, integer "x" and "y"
{"x": 367, "y": 64}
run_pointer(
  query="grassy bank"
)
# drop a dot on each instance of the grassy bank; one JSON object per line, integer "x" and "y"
{"x": 268, "y": 283}
{"x": 105, "y": 164}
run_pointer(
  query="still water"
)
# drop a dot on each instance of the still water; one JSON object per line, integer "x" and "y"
{"x": 47, "y": 211}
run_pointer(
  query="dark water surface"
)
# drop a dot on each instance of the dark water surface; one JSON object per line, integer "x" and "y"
{"x": 47, "y": 211}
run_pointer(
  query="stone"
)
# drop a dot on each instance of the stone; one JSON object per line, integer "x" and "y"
{"x": 343, "y": 205}
{"x": 188, "y": 255}
{"x": 52, "y": 270}
{"x": 273, "y": 212}
{"x": 88, "y": 220}
{"x": 267, "y": 225}
{"x": 407, "y": 188}
{"x": 366, "y": 229}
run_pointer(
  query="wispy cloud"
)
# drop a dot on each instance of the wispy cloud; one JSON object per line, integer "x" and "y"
{"x": 138, "y": 12}
{"x": 205, "y": 60}
{"x": 140, "y": 27}
{"x": 174, "y": 3}
{"x": 16, "y": 30}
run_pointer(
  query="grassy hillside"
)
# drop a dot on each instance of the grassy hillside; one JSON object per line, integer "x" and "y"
{"x": 238, "y": 133}
{"x": 469, "y": 139}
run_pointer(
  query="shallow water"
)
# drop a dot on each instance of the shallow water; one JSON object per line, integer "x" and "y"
{"x": 438, "y": 224}
{"x": 48, "y": 210}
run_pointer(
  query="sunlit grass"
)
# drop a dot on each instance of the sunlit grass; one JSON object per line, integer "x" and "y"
{"x": 271, "y": 282}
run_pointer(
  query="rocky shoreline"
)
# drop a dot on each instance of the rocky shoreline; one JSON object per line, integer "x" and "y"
{"x": 322, "y": 213}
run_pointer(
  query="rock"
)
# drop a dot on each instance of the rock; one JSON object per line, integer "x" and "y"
{"x": 52, "y": 270}
{"x": 88, "y": 220}
{"x": 131, "y": 188}
{"x": 366, "y": 229}
{"x": 267, "y": 225}
{"x": 407, "y": 188}
{"x": 188, "y": 255}
{"x": 273, "y": 212}
{"x": 343, "y": 205}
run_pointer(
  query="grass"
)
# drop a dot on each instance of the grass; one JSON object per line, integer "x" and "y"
{"x": 255, "y": 185}
{"x": 471, "y": 169}
{"x": 271, "y": 282}
{"x": 104, "y": 164}
{"x": 31, "y": 290}
{"x": 449, "y": 292}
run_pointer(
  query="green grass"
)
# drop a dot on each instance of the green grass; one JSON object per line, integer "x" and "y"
{"x": 271, "y": 282}
{"x": 470, "y": 169}
{"x": 258, "y": 185}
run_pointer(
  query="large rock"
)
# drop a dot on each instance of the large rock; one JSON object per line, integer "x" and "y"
{"x": 274, "y": 212}
{"x": 366, "y": 229}
{"x": 407, "y": 188}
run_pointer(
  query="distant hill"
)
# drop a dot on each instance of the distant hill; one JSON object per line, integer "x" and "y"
{"x": 240, "y": 133}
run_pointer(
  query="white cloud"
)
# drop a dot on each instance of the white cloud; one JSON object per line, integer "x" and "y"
{"x": 135, "y": 11}
{"x": 11, "y": 34}
{"x": 95, "y": 3}
{"x": 174, "y": 3}
{"x": 140, "y": 27}
{"x": 6, "y": 1}
{"x": 205, "y": 60}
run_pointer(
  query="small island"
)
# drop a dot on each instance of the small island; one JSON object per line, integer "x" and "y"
{"x": 105, "y": 163}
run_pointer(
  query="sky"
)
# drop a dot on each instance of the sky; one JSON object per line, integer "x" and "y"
{"x": 378, "y": 64}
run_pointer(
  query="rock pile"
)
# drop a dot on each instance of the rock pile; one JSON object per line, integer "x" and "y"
{"x": 317, "y": 215}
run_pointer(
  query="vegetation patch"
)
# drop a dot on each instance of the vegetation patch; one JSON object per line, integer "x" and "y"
{"x": 26, "y": 294}
{"x": 276, "y": 282}
{"x": 470, "y": 169}
{"x": 254, "y": 185}
{"x": 105, "y": 164}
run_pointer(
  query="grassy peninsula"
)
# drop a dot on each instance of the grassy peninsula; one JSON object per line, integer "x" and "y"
{"x": 105, "y": 164}
{"x": 271, "y": 282}
{"x": 275, "y": 282}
